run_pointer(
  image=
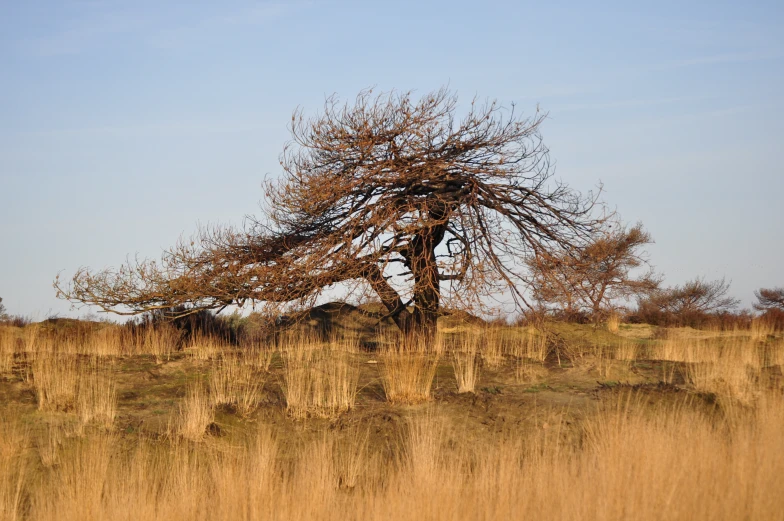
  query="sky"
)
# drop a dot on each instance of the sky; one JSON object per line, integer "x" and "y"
{"x": 125, "y": 125}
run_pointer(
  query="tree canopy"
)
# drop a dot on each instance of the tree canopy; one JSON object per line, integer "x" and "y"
{"x": 597, "y": 277}
{"x": 769, "y": 299}
{"x": 400, "y": 195}
{"x": 695, "y": 297}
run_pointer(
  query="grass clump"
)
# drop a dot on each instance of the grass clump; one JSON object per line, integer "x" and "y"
{"x": 407, "y": 373}
{"x": 319, "y": 379}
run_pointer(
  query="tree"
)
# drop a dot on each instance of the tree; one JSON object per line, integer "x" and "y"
{"x": 593, "y": 278}
{"x": 3, "y": 313}
{"x": 769, "y": 299}
{"x": 396, "y": 194}
{"x": 688, "y": 302}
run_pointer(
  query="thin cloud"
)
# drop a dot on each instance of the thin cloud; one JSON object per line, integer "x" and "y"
{"x": 717, "y": 59}
{"x": 184, "y": 36}
{"x": 78, "y": 37}
{"x": 93, "y": 26}
{"x": 644, "y": 102}
{"x": 158, "y": 129}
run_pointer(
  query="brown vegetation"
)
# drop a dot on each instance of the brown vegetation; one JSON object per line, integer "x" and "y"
{"x": 593, "y": 279}
{"x": 770, "y": 301}
{"x": 395, "y": 194}
{"x": 769, "y": 298}
{"x": 695, "y": 303}
{"x": 396, "y": 433}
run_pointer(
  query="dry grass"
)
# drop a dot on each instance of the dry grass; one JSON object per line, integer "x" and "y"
{"x": 407, "y": 373}
{"x": 332, "y": 462}
{"x": 320, "y": 379}
{"x": 762, "y": 330}
{"x": 626, "y": 351}
{"x": 258, "y": 355}
{"x": 195, "y": 414}
{"x": 466, "y": 366}
{"x": 534, "y": 345}
{"x": 107, "y": 341}
{"x": 490, "y": 342}
{"x": 736, "y": 381}
{"x": 96, "y": 399}
{"x": 237, "y": 383}
{"x": 423, "y": 457}
{"x": 76, "y": 489}
{"x": 668, "y": 370}
{"x": 614, "y": 323}
{"x": 56, "y": 381}
{"x": 62, "y": 383}
{"x": 604, "y": 361}
{"x": 29, "y": 337}
{"x": 13, "y": 442}
{"x": 49, "y": 443}
{"x": 629, "y": 458}
{"x": 103, "y": 340}
{"x": 732, "y": 364}
{"x": 465, "y": 361}
{"x": 529, "y": 348}
{"x": 205, "y": 347}
{"x": 159, "y": 341}
{"x": 676, "y": 464}
{"x": 7, "y": 349}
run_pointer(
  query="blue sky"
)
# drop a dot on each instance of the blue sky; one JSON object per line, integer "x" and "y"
{"x": 123, "y": 125}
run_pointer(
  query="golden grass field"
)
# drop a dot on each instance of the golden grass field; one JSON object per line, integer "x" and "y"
{"x": 561, "y": 422}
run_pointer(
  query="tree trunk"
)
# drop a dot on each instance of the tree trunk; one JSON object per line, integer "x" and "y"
{"x": 427, "y": 283}
{"x": 597, "y": 303}
{"x": 389, "y": 299}
{"x": 420, "y": 258}
{"x": 426, "y": 309}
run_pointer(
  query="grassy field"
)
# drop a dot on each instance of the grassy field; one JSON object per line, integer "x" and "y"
{"x": 560, "y": 422}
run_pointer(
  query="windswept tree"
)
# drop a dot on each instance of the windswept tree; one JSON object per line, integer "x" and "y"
{"x": 399, "y": 194}
{"x": 769, "y": 299}
{"x": 688, "y": 303}
{"x": 596, "y": 278}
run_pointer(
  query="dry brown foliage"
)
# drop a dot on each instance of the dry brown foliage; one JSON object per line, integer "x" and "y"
{"x": 694, "y": 302}
{"x": 595, "y": 278}
{"x": 396, "y": 194}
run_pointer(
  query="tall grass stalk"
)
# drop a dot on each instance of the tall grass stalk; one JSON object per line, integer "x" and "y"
{"x": 7, "y": 349}
{"x": 55, "y": 379}
{"x": 614, "y": 323}
{"x": 14, "y": 439}
{"x": 319, "y": 379}
{"x": 237, "y": 383}
{"x": 407, "y": 373}
{"x": 96, "y": 400}
{"x": 202, "y": 346}
{"x": 196, "y": 413}
{"x": 632, "y": 461}
{"x": 466, "y": 366}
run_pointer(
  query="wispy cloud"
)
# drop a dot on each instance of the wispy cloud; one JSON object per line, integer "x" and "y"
{"x": 183, "y": 36}
{"x": 715, "y": 59}
{"x": 542, "y": 92}
{"x": 152, "y": 129}
{"x": 82, "y": 32}
{"x": 91, "y": 25}
{"x": 627, "y": 103}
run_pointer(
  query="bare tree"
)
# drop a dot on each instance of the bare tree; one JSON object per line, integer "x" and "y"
{"x": 696, "y": 296}
{"x": 769, "y": 299}
{"x": 397, "y": 194}
{"x": 3, "y": 314}
{"x": 595, "y": 278}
